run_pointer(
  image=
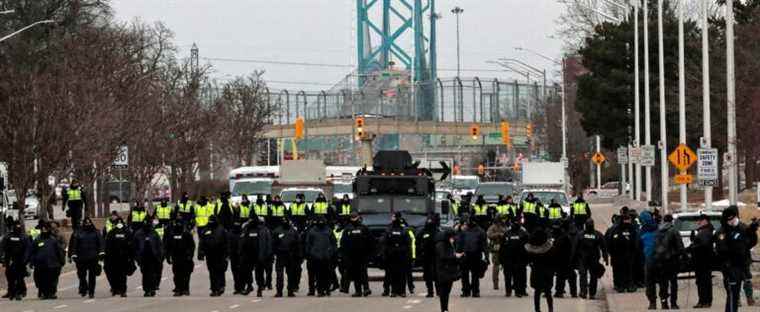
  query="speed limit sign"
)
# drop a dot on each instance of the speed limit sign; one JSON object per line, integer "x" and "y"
{"x": 122, "y": 158}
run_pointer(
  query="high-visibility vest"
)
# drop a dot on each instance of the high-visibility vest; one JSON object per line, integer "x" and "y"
{"x": 480, "y": 210}
{"x": 109, "y": 226}
{"x": 455, "y": 207}
{"x": 184, "y": 208}
{"x": 529, "y": 208}
{"x": 338, "y": 235}
{"x": 319, "y": 208}
{"x": 34, "y": 233}
{"x": 219, "y": 206}
{"x": 298, "y": 209}
{"x": 579, "y": 208}
{"x": 260, "y": 210}
{"x": 414, "y": 244}
{"x": 555, "y": 213}
{"x": 202, "y": 213}
{"x": 512, "y": 208}
{"x": 138, "y": 216}
{"x": 74, "y": 194}
{"x": 160, "y": 232}
{"x": 345, "y": 210}
{"x": 245, "y": 211}
{"x": 163, "y": 213}
{"x": 502, "y": 209}
{"x": 278, "y": 210}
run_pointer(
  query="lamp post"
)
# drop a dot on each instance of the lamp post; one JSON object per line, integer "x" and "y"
{"x": 458, "y": 11}
{"x": 664, "y": 187}
{"x": 733, "y": 178}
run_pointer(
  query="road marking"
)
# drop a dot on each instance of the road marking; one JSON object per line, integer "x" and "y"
{"x": 28, "y": 310}
{"x": 89, "y": 301}
{"x": 234, "y": 306}
{"x": 407, "y": 307}
{"x": 415, "y": 301}
{"x": 138, "y": 287}
{"x": 255, "y": 300}
{"x": 60, "y": 306}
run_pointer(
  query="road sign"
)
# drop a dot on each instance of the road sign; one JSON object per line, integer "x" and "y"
{"x": 445, "y": 170}
{"x": 598, "y": 158}
{"x": 683, "y": 179}
{"x": 707, "y": 166}
{"x": 647, "y": 155}
{"x": 634, "y": 155}
{"x": 683, "y": 157}
{"x": 122, "y": 158}
{"x": 622, "y": 155}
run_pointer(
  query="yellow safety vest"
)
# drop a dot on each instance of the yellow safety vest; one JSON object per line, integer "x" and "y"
{"x": 320, "y": 208}
{"x": 480, "y": 210}
{"x": 160, "y": 232}
{"x": 138, "y": 216}
{"x": 455, "y": 207}
{"x": 109, "y": 226}
{"x": 184, "y": 208}
{"x": 502, "y": 209}
{"x": 74, "y": 194}
{"x": 579, "y": 209}
{"x": 34, "y": 233}
{"x": 529, "y": 207}
{"x": 278, "y": 210}
{"x": 555, "y": 213}
{"x": 219, "y": 206}
{"x": 297, "y": 209}
{"x": 245, "y": 211}
{"x": 260, "y": 210}
{"x": 345, "y": 210}
{"x": 202, "y": 213}
{"x": 512, "y": 208}
{"x": 414, "y": 244}
{"x": 338, "y": 235}
{"x": 163, "y": 213}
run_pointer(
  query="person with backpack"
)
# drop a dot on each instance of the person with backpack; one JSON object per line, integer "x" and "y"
{"x": 668, "y": 251}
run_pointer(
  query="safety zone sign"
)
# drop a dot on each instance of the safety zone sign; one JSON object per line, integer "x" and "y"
{"x": 622, "y": 154}
{"x": 598, "y": 158}
{"x": 707, "y": 166}
{"x": 683, "y": 157}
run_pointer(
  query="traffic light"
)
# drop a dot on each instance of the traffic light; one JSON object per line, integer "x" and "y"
{"x": 505, "y": 138}
{"x": 299, "y": 128}
{"x": 359, "y": 127}
{"x": 529, "y": 130}
{"x": 475, "y": 131}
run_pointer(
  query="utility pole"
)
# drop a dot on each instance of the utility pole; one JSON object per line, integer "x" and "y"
{"x": 706, "y": 127}
{"x": 733, "y": 178}
{"x": 647, "y": 100}
{"x": 598, "y": 166}
{"x": 636, "y": 107}
{"x": 681, "y": 99}
{"x": 663, "y": 129}
{"x": 458, "y": 11}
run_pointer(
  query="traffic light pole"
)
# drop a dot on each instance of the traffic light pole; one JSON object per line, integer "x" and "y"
{"x": 706, "y": 92}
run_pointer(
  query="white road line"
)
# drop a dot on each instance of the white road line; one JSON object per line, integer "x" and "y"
{"x": 415, "y": 301}
{"x": 89, "y": 301}
{"x": 28, "y": 310}
{"x": 407, "y": 307}
{"x": 60, "y": 306}
{"x": 234, "y": 306}
{"x": 255, "y": 300}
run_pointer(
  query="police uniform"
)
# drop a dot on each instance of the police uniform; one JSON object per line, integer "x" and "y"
{"x": 214, "y": 247}
{"x": 185, "y": 211}
{"x": 580, "y": 212}
{"x": 288, "y": 250}
{"x": 426, "y": 240}
{"x": 321, "y": 249}
{"x": 74, "y": 198}
{"x": 732, "y": 247}
{"x": 532, "y": 212}
{"x": 48, "y": 257}
{"x": 514, "y": 259}
{"x": 180, "y": 249}
{"x": 398, "y": 254}
{"x": 118, "y": 262}
{"x": 163, "y": 213}
{"x": 203, "y": 211}
{"x": 150, "y": 256}
{"x": 16, "y": 249}
{"x": 86, "y": 248}
{"x": 137, "y": 218}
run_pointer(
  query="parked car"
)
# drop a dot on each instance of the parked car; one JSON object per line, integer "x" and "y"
{"x": 492, "y": 190}
{"x": 686, "y": 222}
{"x": 288, "y": 195}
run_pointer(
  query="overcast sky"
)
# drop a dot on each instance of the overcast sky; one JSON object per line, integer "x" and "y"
{"x": 323, "y": 31}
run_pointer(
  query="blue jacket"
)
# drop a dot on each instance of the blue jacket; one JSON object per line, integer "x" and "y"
{"x": 648, "y": 235}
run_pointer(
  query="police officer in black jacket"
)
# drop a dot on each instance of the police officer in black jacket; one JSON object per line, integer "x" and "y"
{"x": 86, "y": 249}
{"x": 514, "y": 259}
{"x": 48, "y": 257}
{"x": 321, "y": 250}
{"x": 703, "y": 257}
{"x": 16, "y": 249}
{"x": 119, "y": 259}
{"x": 214, "y": 248}
{"x": 149, "y": 254}
{"x": 733, "y": 242}
{"x": 255, "y": 249}
{"x": 426, "y": 240}
{"x": 288, "y": 249}
{"x": 591, "y": 247}
{"x": 397, "y": 252}
{"x": 473, "y": 243}
{"x": 356, "y": 245}
{"x": 564, "y": 243}
{"x": 622, "y": 243}
{"x": 180, "y": 249}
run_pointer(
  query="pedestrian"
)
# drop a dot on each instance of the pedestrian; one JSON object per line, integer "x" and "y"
{"x": 137, "y": 216}
{"x": 397, "y": 254}
{"x": 119, "y": 259}
{"x": 472, "y": 242}
{"x": 321, "y": 250}
{"x": 447, "y": 266}
{"x": 75, "y": 199}
{"x": 16, "y": 249}
{"x": 564, "y": 250}
{"x": 356, "y": 247}
{"x": 86, "y": 250}
{"x": 580, "y": 211}
{"x": 733, "y": 242}
{"x": 288, "y": 250}
{"x": 668, "y": 253}
{"x": 185, "y": 210}
{"x": 47, "y": 259}
{"x": 647, "y": 239}
{"x": 149, "y": 256}
{"x": 214, "y": 248}
{"x": 591, "y": 248}
{"x": 514, "y": 259}
{"x": 428, "y": 237}
{"x": 255, "y": 250}
{"x": 703, "y": 256}
{"x": 180, "y": 249}
{"x": 622, "y": 246}
{"x": 541, "y": 256}
{"x": 495, "y": 236}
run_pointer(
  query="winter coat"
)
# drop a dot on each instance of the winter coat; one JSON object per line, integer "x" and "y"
{"x": 446, "y": 263}
{"x": 48, "y": 252}
{"x": 148, "y": 246}
{"x": 356, "y": 244}
{"x": 16, "y": 249}
{"x": 543, "y": 264}
{"x": 668, "y": 247}
{"x": 86, "y": 245}
{"x": 214, "y": 244}
{"x": 397, "y": 243}
{"x": 591, "y": 247}
{"x": 495, "y": 236}
{"x": 426, "y": 240}
{"x": 119, "y": 247}
{"x": 255, "y": 243}
{"x": 180, "y": 245}
{"x": 647, "y": 236}
{"x": 472, "y": 242}
{"x": 321, "y": 244}
{"x": 286, "y": 242}
{"x": 702, "y": 247}
{"x": 733, "y": 244}
{"x": 512, "y": 251}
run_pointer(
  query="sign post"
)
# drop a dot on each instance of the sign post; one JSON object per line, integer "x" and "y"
{"x": 622, "y": 157}
{"x": 121, "y": 163}
{"x": 683, "y": 158}
{"x": 707, "y": 170}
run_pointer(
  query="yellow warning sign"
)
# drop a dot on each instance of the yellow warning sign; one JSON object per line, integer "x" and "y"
{"x": 683, "y": 179}
{"x": 683, "y": 157}
{"x": 598, "y": 158}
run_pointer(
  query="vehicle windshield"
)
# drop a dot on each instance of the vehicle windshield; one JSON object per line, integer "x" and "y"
{"x": 382, "y": 204}
{"x": 342, "y": 188}
{"x": 546, "y": 197}
{"x": 410, "y": 205}
{"x": 373, "y": 205}
{"x": 252, "y": 188}
{"x": 494, "y": 189}
{"x": 289, "y": 196}
{"x": 465, "y": 184}
{"x": 689, "y": 223}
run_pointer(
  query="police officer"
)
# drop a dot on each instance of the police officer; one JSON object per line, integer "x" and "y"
{"x": 541, "y": 255}
{"x": 514, "y": 211}
{"x": 397, "y": 255}
{"x": 185, "y": 209}
{"x": 530, "y": 211}
{"x": 356, "y": 246}
{"x": 454, "y": 205}
{"x": 16, "y": 249}
{"x": 48, "y": 257}
{"x": 118, "y": 262}
{"x": 495, "y": 234}
{"x": 473, "y": 243}
{"x": 564, "y": 244}
{"x": 277, "y": 212}
{"x": 501, "y": 208}
{"x": 163, "y": 212}
{"x": 74, "y": 198}
{"x": 480, "y": 213}
{"x": 288, "y": 250}
{"x": 180, "y": 249}
{"x": 204, "y": 209}
{"x": 734, "y": 240}
{"x": 339, "y": 264}
{"x": 413, "y": 260}
{"x": 224, "y": 212}
{"x": 255, "y": 250}
{"x": 240, "y": 214}
{"x": 622, "y": 244}
{"x": 344, "y": 210}
{"x": 426, "y": 248}
{"x": 261, "y": 209}
{"x": 137, "y": 216}
{"x": 321, "y": 208}
{"x": 591, "y": 247}
{"x": 321, "y": 250}
{"x": 514, "y": 259}
{"x": 554, "y": 212}
{"x": 580, "y": 212}
{"x": 214, "y": 248}
{"x": 298, "y": 212}
{"x": 86, "y": 249}
{"x": 149, "y": 256}
{"x": 703, "y": 257}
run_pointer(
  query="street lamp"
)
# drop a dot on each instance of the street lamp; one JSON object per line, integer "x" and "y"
{"x": 541, "y": 72}
{"x": 458, "y": 11}
{"x": 13, "y": 34}
{"x": 509, "y": 67}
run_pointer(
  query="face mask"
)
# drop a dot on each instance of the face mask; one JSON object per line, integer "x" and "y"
{"x": 734, "y": 222}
